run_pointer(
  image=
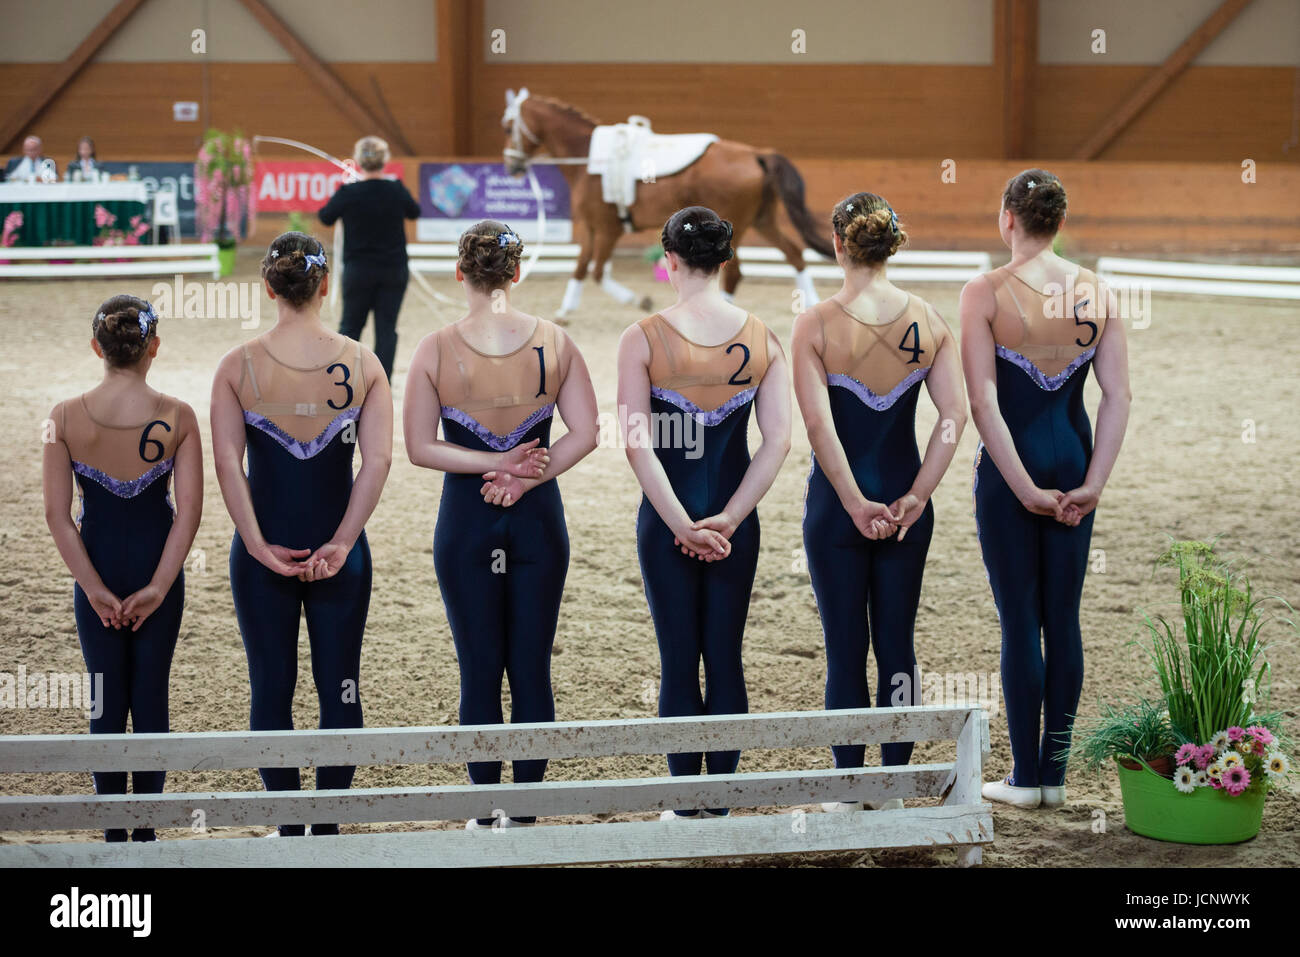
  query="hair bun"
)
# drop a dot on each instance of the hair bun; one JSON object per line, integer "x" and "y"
{"x": 116, "y": 327}
{"x": 699, "y": 237}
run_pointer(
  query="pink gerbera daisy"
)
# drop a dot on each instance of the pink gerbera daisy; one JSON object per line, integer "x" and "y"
{"x": 1236, "y": 733}
{"x": 1185, "y": 754}
{"x": 1204, "y": 755}
{"x": 1236, "y": 779}
{"x": 1260, "y": 734}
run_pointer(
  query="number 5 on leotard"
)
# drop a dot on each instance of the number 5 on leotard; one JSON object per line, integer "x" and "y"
{"x": 743, "y": 362}
{"x": 347, "y": 374}
{"x": 916, "y": 350}
{"x": 1084, "y": 322}
{"x": 145, "y": 441}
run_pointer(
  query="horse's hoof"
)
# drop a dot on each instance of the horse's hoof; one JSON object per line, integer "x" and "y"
{"x": 645, "y": 305}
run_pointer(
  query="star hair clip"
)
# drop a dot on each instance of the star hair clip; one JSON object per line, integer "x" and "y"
{"x": 1030, "y": 185}
{"x": 687, "y": 227}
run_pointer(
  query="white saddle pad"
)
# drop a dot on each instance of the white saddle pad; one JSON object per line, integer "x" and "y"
{"x": 627, "y": 152}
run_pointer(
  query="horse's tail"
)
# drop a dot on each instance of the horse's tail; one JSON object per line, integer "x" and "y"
{"x": 788, "y": 184}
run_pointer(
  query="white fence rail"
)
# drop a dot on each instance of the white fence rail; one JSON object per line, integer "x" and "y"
{"x": 1207, "y": 279}
{"x": 962, "y": 820}
{"x": 41, "y": 262}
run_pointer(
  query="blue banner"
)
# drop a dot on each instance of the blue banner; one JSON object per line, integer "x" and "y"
{"x": 455, "y": 196}
{"x": 176, "y": 176}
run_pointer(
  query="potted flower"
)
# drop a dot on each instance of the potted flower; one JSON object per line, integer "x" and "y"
{"x": 1196, "y": 765}
{"x": 223, "y": 198}
{"x": 13, "y": 225}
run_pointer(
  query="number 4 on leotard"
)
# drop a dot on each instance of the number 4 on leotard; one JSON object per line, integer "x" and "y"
{"x": 916, "y": 350}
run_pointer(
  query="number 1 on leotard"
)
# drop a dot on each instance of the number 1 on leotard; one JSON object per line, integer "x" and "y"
{"x": 541, "y": 370}
{"x": 347, "y": 374}
{"x": 743, "y": 362}
{"x": 146, "y": 441}
{"x": 916, "y": 350}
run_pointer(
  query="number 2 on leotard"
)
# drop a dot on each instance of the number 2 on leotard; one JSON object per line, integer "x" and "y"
{"x": 1084, "y": 322}
{"x": 743, "y": 362}
{"x": 541, "y": 370}
{"x": 916, "y": 350}
{"x": 145, "y": 441}
{"x": 347, "y": 374}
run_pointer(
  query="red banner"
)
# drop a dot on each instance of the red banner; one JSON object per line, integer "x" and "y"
{"x": 283, "y": 186}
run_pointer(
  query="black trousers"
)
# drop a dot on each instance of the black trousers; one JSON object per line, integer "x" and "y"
{"x": 381, "y": 291}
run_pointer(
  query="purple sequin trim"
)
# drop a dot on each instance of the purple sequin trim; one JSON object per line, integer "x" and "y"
{"x": 499, "y": 443}
{"x": 872, "y": 399}
{"x": 708, "y": 417}
{"x": 1044, "y": 381}
{"x": 296, "y": 447}
{"x": 124, "y": 489}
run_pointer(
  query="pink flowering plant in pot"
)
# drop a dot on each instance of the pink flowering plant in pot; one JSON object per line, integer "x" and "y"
{"x": 224, "y": 202}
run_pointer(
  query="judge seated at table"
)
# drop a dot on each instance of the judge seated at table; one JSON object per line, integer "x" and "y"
{"x": 86, "y": 165}
{"x": 28, "y": 166}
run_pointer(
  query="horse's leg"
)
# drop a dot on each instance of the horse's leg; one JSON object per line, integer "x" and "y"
{"x": 793, "y": 253}
{"x": 606, "y": 235}
{"x": 573, "y": 290}
{"x": 731, "y": 271}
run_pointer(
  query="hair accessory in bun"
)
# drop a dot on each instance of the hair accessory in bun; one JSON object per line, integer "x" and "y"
{"x": 100, "y": 317}
{"x": 311, "y": 260}
{"x": 687, "y": 227}
{"x": 506, "y": 239}
{"x": 893, "y": 220}
{"x": 275, "y": 254}
{"x": 144, "y": 317}
{"x": 1030, "y": 185}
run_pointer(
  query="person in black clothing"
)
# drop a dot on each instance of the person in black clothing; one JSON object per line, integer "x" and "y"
{"x": 374, "y": 247}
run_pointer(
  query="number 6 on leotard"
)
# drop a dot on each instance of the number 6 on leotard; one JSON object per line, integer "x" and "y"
{"x": 743, "y": 362}
{"x": 347, "y": 374}
{"x": 146, "y": 441}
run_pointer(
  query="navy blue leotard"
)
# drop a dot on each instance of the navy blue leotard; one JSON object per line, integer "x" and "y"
{"x": 868, "y": 591}
{"x": 700, "y": 400}
{"x": 300, "y": 490}
{"x": 500, "y": 569}
{"x": 124, "y": 524}
{"x": 1035, "y": 564}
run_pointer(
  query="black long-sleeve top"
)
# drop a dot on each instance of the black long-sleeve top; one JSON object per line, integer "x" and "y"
{"x": 372, "y": 211}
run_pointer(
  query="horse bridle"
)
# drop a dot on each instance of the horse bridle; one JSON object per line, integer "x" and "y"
{"x": 514, "y": 115}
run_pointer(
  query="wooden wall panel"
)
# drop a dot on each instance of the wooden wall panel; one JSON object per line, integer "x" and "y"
{"x": 127, "y": 108}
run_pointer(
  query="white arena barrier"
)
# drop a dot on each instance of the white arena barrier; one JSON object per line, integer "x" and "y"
{"x": 35, "y": 262}
{"x": 1207, "y": 279}
{"x": 962, "y": 819}
{"x": 763, "y": 262}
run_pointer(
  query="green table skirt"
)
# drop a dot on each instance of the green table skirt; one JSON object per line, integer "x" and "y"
{"x": 46, "y": 224}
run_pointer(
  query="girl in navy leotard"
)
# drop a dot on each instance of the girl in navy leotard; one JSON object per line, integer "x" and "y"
{"x": 1030, "y": 331}
{"x": 688, "y": 378}
{"x": 495, "y": 379}
{"x": 298, "y": 400}
{"x": 121, "y": 443}
{"x": 859, "y": 360}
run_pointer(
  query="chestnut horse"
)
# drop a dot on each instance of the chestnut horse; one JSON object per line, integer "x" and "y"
{"x": 738, "y": 182}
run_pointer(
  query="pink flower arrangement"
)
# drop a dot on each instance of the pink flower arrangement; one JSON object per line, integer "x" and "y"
{"x": 1245, "y": 760}
{"x": 13, "y": 223}
{"x": 109, "y": 236}
{"x": 224, "y": 201}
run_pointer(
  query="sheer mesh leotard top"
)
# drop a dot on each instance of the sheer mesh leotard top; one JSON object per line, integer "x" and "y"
{"x": 124, "y": 461}
{"x": 1049, "y": 335}
{"x": 301, "y": 426}
{"x": 877, "y": 362}
{"x": 709, "y": 382}
{"x": 497, "y": 401}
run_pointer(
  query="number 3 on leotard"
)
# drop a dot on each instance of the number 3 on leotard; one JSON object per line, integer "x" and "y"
{"x": 1084, "y": 322}
{"x": 347, "y": 374}
{"x": 145, "y": 441}
{"x": 916, "y": 350}
{"x": 743, "y": 362}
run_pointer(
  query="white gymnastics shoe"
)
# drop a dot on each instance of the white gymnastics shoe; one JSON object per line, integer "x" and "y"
{"x": 707, "y": 815}
{"x": 473, "y": 825}
{"x": 511, "y": 822}
{"x": 842, "y": 807}
{"x": 1007, "y": 793}
{"x": 1053, "y": 796}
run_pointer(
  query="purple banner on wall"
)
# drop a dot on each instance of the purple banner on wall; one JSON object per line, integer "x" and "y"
{"x": 455, "y": 196}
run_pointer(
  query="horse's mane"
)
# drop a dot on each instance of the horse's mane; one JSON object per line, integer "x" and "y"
{"x": 566, "y": 108}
